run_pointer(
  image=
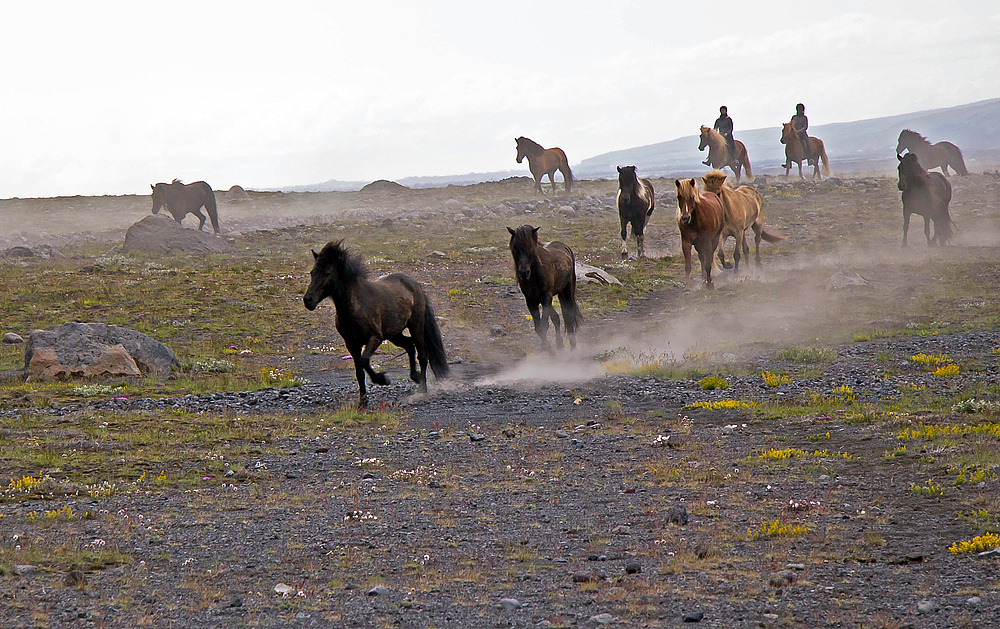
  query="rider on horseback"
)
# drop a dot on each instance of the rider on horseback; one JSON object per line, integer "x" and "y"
{"x": 724, "y": 125}
{"x": 801, "y": 123}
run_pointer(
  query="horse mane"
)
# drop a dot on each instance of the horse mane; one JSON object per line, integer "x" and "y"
{"x": 176, "y": 181}
{"x": 714, "y": 180}
{"x": 530, "y": 143}
{"x": 914, "y": 134}
{"x": 335, "y": 254}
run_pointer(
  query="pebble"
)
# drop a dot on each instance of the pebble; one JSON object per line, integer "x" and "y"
{"x": 433, "y": 435}
{"x": 562, "y": 434}
{"x": 975, "y": 600}
{"x": 378, "y": 590}
{"x": 678, "y": 514}
{"x": 633, "y": 567}
{"x": 25, "y": 570}
{"x": 284, "y": 590}
{"x": 473, "y": 436}
{"x": 693, "y": 616}
{"x": 12, "y": 339}
{"x": 926, "y": 607}
{"x": 602, "y": 619}
{"x": 510, "y": 604}
{"x": 796, "y": 566}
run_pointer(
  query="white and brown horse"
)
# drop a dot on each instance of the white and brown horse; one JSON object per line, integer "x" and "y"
{"x": 635, "y": 205}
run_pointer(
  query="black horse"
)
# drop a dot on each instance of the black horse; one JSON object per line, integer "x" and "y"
{"x": 543, "y": 271}
{"x": 183, "y": 199}
{"x": 635, "y": 206}
{"x": 369, "y": 312}
{"x": 926, "y": 194}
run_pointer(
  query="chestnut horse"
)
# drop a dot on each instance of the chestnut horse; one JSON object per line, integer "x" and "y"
{"x": 939, "y": 154}
{"x": 795, "y": 152}
{"x": 369, "y": 312}
{"x": 183, "y": 199}
{"x": 635, "y": 205}
{"x": 926, "y": 194}
{"x": 543, "y": 271}
{"x": 742, "y": 207}
{"x": 718, "y": 152}
{"x": 543, "y": 161}
{"x": 700, "y": 218}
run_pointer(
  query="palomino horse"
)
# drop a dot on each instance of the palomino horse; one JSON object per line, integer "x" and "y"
{"x": 543, "y": 271}
{"x": 542, "y": 161}
{"x": 926, "y": 194}
{"x": 943, "y": 154}
{"x": 635, "y": 205}
{"x": 369, "y": 312}
{"x": 719, "y": 154}
{"x": 795, "y": 152}
{"x": 700, "y": 218}
{"x": 181, "y": 199}
{"x": 742, "y": 207}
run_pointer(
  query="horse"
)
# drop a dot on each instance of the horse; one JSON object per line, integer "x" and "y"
{"x": 742, "y": 208}
{"x": 700, "y": 218}
{"x": 719, "y": 154}
{"x": 943, "y": 154}
{"x": 926, "y": 194}
{"x": 369, "y": 312}
{"x": 794, "y": 151}
{"x": 543, "y": 271}
{"x": 182, "y": 199}
{"x": 635, "y": 205}
{"x": 543, "y": 161}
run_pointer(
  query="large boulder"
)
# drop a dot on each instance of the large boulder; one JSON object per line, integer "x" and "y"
{"x": 88, "y": 350}
{"x": 161, "y": 234}
{"x": 237, "y": 194}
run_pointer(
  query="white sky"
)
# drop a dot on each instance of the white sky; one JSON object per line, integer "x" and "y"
{"x": 106, "y": 98}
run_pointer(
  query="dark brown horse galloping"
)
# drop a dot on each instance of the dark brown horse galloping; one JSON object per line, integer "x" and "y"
{"x": 181, "y": 199}
{"x": 795, "y": 152}
{"x": 543, "y": 161}
{"x": 543, "y": 271}
{"x": 939, "y": 154}
{"x": 700, "y": 218}
{"x": 926, "y": 194}
{"x": 369, "y": 312}
{"x": 635, "y": 205}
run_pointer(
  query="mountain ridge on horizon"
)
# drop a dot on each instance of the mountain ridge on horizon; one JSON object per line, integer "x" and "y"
{"x": 867, "y": 145}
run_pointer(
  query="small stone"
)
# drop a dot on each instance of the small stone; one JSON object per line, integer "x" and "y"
{"x": 544, "y": 624}
{"x": 510, "y": 604}
{"x": 796, "y": 566}
{"x": 728, "y": 430}
{"x": 583, "y": 577}
{"x": 621, "y": 529}
{"x": 926, "y": 607}
{"x": 562, "y": 434}
{"x": 230, "y": 473}
{"x": 236, "y": 601}
{"x": 783, "y": 578}
{"x": 975, "y": 600}
{"x": 633, "y": 567}
{"x": 510, "y": 434}
{"x": 368, "y": 476}
{"x": 602, "y": 619}
{"x": 321, "y": 450}
{"x": 497, "y": 331}
{"x": 378, "y": 590}
{"x": 693, "y": 616}
{"x": 476, "y": 437}
{"x": 12, "y": 339}
{"x": 678, "y": 514}
{"x": 433, "y": 435}
{"x": 284, "y": 590}
{"x": 25, "y": 570}
{"x": 989, "y": 553}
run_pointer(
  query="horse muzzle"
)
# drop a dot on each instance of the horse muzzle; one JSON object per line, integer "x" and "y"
{"x": 686, "y": 219}
{"x": 309, "y": 302}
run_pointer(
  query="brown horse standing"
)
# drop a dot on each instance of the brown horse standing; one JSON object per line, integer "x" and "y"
{"x": 182, "y": 199}
{"x": 700, "y": 218}
{"x": 635, "y": 205}
{"x": 939, "y": 154}
{"x": 719, "y": 154}
{"x": 543, "y": 161}
{"x": 369, "y": 312}
{"x": 795, "y": 152}
{"x": 742, "y": 207}
{"x": 544, "y": 271}
{"x": 926, "y": 194}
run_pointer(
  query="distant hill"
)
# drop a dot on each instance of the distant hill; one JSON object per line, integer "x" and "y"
{"x": 862, "y": 146}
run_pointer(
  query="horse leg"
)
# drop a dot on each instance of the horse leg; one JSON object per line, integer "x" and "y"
{"x": 705, "y": 257}
{"x": 550, "y": 312}
{"x": 758, "y": 231}
{"x": 722, "y": 254}
{"x": 538, "y": 184}
{"x": 377, "y": 377}
{"x": 906, "y": 226}
{"x": 408, "y": 344}
{"x": 639, "y": 243}
{"x": 552, "y": 180}
{"x": 944, "y": 169}
{"x": 201, "y": 218}
{"x": 541, "y": 324}
{"x": 741, "y": 242}
{"x": 355, "y": 349}
{"x": 927, "y": 232}
{"x": 686, "y": 249}
{"x": 568, "y": 308}
{"x": 624, "y": 222}
{"x": 800, "y": 171}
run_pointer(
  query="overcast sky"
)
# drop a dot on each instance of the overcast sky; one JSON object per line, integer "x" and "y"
{"x": 106, "y": 98}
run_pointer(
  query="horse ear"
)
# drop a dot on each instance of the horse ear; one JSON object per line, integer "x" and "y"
{"x": 534, "y": 232}
{"x": 315, "y": 255}
{"x": 619, "y": 168}
{"x": 677, "y": 182}
{"x": 899, "y": 157}
{"x": 511, "y": 231}
{"x": 694, "y": 183}
{"x": 152, "y": 187}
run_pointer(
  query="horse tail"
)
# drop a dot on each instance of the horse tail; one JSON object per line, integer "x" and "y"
{"x": 567, "y": 174}
{"x": 955, "y": 159}
{"x": 746, "y": 163}
{"x": 826, "y": 160}
{"x": 434, "y": 344}
{"x": 770, "y": 237}
{"x": 571, "y": 311}
{"x": 213, "y": 211}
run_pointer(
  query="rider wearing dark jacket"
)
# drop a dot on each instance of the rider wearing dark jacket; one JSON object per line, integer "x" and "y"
{"x": 724, "y": 125}
{"x": 801, "y": 124}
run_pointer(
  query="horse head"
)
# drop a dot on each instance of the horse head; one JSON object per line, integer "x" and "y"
{"x": 906, "y": 140}
{"x": 687, "y": 197}
{"x": 334, "y": 266}
{"x": 714, "y": 181}
{"x": 523, "y": 245}
{"x": 520, "y": 150}
{"x": 787, "y": 132}
{"x": 627, "y": 183}
{"x": 909, "y": 168}
{"x": 159, "y": 196}
{"x": 703, "y": 142}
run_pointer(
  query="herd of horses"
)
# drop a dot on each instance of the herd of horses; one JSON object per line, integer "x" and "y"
{"x": 369, "y": 312}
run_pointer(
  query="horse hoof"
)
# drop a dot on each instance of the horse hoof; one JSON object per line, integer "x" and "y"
{"x": 380, "y": 379}
{"x": 727, "y": 265}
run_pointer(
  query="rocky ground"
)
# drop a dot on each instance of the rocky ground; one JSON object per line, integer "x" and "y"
{"x": 613, "y": 487}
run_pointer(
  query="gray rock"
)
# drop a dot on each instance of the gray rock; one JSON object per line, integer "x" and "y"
{"x": 602, "y": 619}
{"x": 161, "y": 234}
{"x": 510, "y": 604}
{"x": 974, "y": 600}
{"x": 25, "y": 570}
{"x": 19, "y": 252}
{"x": 796, "y": 566}
{"x": 678, "y": 514}
{"x": 633, "y": 567}
{"x": 12, "y": 339}
{"x": 693, "y": 616}
{"x": 433, "y": 435}
{"x": 587, "y": 274}
{"x": 562, "y": 434}
{"x": 497, "y": 331}
{"x": 476, "y": 437}
{"x": 927, "y": 607}
{"x": 95, "y": 349}
{"x": 378, "y": 590}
